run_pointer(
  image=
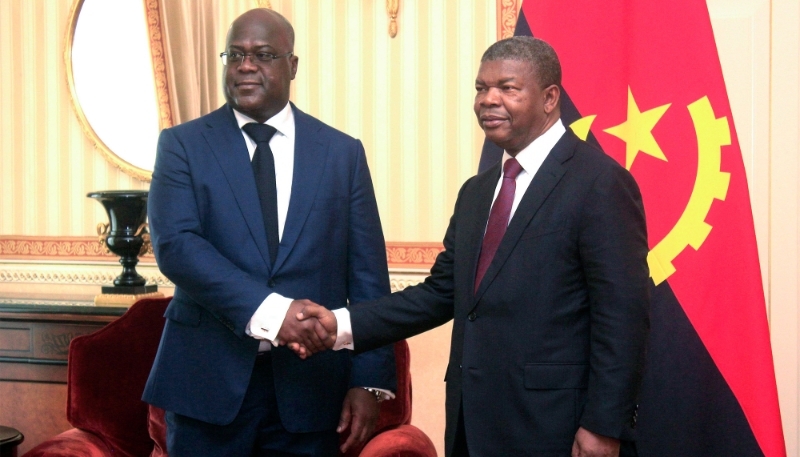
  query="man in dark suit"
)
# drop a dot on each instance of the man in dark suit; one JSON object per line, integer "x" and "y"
{"x": 238, "y": 237}
{"x": 544, "y": 274}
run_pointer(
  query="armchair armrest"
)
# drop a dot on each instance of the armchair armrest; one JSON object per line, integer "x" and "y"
{"x": 405, "y": 440}
{"x": 71, "y": 443}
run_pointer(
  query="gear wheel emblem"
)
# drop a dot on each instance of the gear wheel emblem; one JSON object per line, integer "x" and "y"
{"x": 711, "y": 183}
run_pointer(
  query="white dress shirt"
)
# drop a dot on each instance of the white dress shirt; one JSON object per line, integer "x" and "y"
{"x": 530, "y": 158}
{"x": 267, "y": 320}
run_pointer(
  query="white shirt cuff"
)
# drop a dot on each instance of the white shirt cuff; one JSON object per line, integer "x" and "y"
{"x": 344, "y": 340}
{"x": 344, "y": 331}
{"x": 268, "y": 318}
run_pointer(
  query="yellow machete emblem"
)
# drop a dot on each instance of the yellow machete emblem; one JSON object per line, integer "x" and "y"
{"x": 710, "y": 183}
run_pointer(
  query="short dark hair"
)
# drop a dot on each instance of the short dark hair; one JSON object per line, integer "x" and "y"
{"x": 535, "y": 51}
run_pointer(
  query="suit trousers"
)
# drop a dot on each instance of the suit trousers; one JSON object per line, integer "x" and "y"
{"x": 256, "y": 431}
{"x": 627, "y": 448}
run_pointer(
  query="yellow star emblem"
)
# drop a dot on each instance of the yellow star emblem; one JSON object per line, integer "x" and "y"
{"x": 637, "y": 131}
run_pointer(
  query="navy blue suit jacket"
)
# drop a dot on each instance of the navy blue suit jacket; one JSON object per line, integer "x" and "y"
{"x": 554, "y": 337}
{"x": 209, "y": 240}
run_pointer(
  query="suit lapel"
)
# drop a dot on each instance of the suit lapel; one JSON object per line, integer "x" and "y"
{"x": 543, "y": 183}
{"x": 309, "y": 163}
{"x": 227, "y": 143}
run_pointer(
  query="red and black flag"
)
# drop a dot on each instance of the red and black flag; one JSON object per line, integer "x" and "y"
{"x": 642, "y": 79}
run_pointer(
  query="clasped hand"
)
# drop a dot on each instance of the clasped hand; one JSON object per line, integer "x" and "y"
{"x": 308, "y": 328}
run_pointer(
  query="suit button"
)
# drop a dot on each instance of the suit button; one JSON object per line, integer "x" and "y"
{"x": 271, "y": 283}
{"x": 472, "y": 317}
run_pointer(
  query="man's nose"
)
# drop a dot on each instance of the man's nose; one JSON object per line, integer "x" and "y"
{"x": 491, "y": 97}
{"x": 247, "y": 63}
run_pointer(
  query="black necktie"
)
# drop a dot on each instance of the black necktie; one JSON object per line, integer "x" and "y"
{"x": 264, "y": 171}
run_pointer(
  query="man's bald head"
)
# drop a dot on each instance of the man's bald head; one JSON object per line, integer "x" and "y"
{"x": 253, "y": 86}
{"x": 260, "y": 15}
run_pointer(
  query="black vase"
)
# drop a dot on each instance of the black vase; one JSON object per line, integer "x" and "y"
{"x": 127, "y": 213}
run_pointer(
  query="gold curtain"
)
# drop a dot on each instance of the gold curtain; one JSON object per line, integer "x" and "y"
{"x": 190, "y": 29}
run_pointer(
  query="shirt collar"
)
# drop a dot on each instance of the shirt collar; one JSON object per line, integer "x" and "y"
{"x": 283, "y": 121}
{"x": 534, "y": 154}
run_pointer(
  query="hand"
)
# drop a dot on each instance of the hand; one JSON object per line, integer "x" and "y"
{"x": 589, "y": 444}
{"x": 304, "y": 337}
{"x": 324, "y": 318}
{"x": 360, "y": 412}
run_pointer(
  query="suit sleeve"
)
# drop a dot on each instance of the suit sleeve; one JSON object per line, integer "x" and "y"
{"x": 368, "y": 274}
{"x": 613, "y": 249}
{"x": 413, "y": 310}
{"x": 183, "y": 254}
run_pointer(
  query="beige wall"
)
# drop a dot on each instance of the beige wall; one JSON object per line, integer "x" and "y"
{"x": 758, "y": 42}
{"x": 409, "y": 99}
{"x": 47, "y": 164}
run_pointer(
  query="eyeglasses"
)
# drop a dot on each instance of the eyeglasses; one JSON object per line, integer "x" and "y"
{"x": 236, "y": 57}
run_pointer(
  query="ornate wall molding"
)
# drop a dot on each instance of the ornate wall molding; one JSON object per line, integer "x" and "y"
{"x": 412, "y": 255}
{"x": 392, "y": 6}
{"x": 402, "y": 255}
{"x": 399, "y": 280}
{"x": 158, "y": 53}
{"x": 55, "y": 266}
{"x": 507, "y": 11}
{"x": 72, "y": 274}
{"x": 76, "y": 248}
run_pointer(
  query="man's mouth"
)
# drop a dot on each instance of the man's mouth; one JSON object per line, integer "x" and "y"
{"x": 490, "y": 121}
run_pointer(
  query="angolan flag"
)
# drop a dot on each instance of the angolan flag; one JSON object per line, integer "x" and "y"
{"x": 642, "y": 79}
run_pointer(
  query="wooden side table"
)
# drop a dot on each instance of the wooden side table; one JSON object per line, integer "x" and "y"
{"x": 34, "y": 343}
{"x": 9, "y": 439}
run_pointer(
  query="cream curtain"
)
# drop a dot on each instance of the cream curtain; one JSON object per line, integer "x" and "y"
{"x": 190, "y": 29}
{"x": 194, "y": 34}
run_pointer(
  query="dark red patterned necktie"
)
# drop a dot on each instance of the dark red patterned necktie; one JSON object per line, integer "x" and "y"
{"x": 498, "y": 218}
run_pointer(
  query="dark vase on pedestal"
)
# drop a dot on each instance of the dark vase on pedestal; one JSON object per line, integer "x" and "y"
{"x": 127, "y": 213}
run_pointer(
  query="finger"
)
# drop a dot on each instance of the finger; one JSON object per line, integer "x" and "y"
{"x": 307, "y": 312}
{"x": 322, "y": 333}
{"x": 344, "y": 417}
{"x": 356, "y": 432}
{"x": 311, "y": 341}
{"x": 358, "y": 429}
{"x": 318, "y": 335}
{"x": 299, "y": 350}
{"x": 351, "y": 441}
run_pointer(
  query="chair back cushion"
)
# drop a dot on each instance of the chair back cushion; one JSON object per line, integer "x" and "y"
{"x": 107, "y": 373}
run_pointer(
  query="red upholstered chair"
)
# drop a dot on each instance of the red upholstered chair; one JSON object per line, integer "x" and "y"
{"x": 107, "y": 373}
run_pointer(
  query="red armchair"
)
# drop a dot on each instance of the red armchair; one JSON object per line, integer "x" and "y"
{"x": 107, "y": 373}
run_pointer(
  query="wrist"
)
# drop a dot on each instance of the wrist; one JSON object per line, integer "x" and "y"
{"x": 375, "y": 393}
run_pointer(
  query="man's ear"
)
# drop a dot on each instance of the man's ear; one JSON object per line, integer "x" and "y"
{"x": 293, "y": 65}
{"x": 552, "y": 95}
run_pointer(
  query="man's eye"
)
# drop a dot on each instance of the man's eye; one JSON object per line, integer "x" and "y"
{"x": 264, "y": 56}
{"x": 235, "y": 55}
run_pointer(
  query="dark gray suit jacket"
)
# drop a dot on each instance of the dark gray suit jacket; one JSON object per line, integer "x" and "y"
{"x": 555, "y": 336}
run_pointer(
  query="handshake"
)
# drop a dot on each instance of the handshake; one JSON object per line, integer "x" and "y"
{"x": 308, "y": 328}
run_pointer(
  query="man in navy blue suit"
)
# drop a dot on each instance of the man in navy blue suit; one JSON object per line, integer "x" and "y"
{"x": 252, "y": 206}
